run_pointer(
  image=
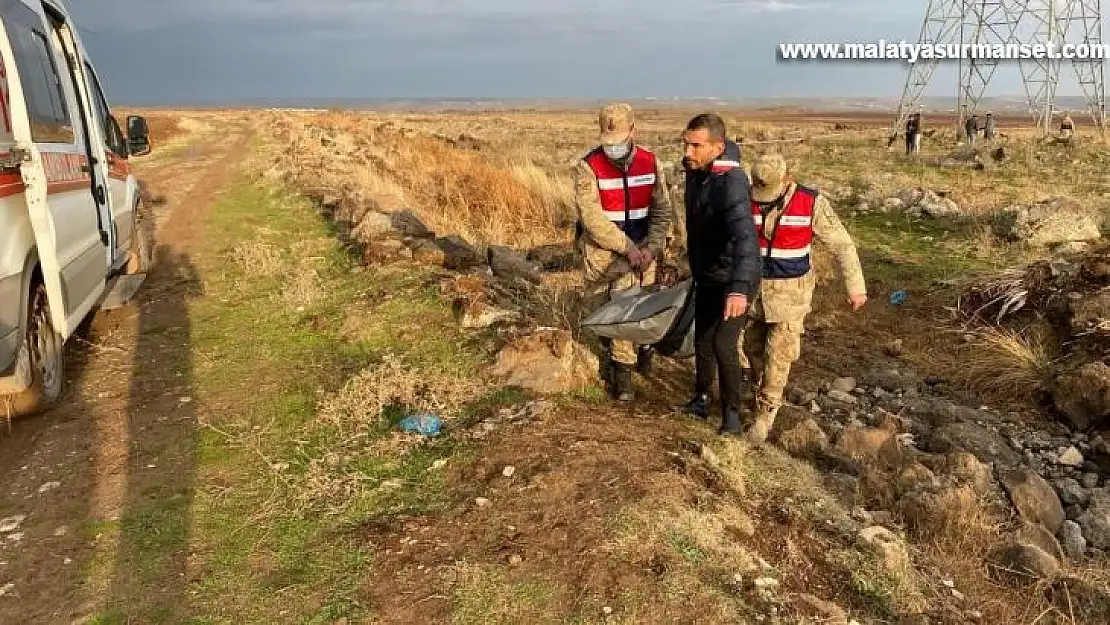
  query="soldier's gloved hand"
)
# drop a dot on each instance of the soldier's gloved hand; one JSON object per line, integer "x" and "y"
{"x": 635, "y": 256}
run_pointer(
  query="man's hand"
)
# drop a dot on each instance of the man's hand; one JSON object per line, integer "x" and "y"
{"x": 735, "y": 306}
{"x": 646, "y": 258}
{"x": 857, "y": 301}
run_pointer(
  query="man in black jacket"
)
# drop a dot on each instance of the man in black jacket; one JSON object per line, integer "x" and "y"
{"x": 723, "y": 250}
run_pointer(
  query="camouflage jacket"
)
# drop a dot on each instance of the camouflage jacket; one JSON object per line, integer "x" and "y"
{"x": 601, "y": 242}
{"x": 789, "y": 301}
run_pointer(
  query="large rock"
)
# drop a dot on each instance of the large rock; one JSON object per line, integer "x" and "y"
{"x": 547, "y": 361}
{"x": 1083, "y": 395}
{"x": 372, "y": 226}
{"x": 1096, "y": 520}
{"x": 1059, "y": 220}
{"x": 932, "y": 205}
{"x": 911, "y": 197}
{"x": 1022, "y": 564}
{"x": 804, "y": 440}
{"x": 891, "y": 380}
{"x": 1072, "y": 492}
{"x": 983, "y": 443}
{"x": 477, "y": 315}
{"x": 842, "y": 397}
{"x": 384, "y": 251}
{"x": 917, "y": 202}
{"x": 409, "y": 225}
{"x": 1089, "y": 313}
{"x": 928, "y": 513}
{"x": 875, "y": 446}
{"x": 1034, "y": 498}
{"x": 891, "y": 550}
{"x": 458, "y": 254}
{"x": 938, "y": 411}
{"x": 1073, "y": 541}
{"x": 508, "y": 264}
{"x": 970, "y": 471}
{"x": 917, "y": 477}
{"x": 554, "y": 257}
{"x": 1036, "y": 535}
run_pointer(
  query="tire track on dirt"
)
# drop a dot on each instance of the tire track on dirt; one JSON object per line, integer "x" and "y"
{"x": 105, "y": 480}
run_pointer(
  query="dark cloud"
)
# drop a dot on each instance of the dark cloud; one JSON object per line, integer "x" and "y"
{"x": 201, "y": 51}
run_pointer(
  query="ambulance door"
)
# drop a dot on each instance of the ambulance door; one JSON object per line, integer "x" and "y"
{"x": 113, "y": 147}
{"x": 66, "y": 196}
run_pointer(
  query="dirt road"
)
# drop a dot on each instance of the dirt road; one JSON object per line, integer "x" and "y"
{"x": 105, "y": 480}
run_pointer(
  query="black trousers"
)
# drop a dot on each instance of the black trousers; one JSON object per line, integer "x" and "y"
{"x": 716, "y": 344}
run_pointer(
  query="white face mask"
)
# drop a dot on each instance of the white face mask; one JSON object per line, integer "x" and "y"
{"x": 617, "y": 152}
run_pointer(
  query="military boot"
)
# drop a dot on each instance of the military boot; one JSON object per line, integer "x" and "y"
{"x": 644, "y": 356}
{"x": 764, "y": 421}
{"x": 623, "y": 382}
{"x": 606, "y": 366}
{"x": 730, "y": 420}
{"x": 748, "y": 394}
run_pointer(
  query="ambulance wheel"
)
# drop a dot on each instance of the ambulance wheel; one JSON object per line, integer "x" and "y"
{"x": 43, "y": 350}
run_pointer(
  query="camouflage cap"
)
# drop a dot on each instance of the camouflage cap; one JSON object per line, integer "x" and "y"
{"x": 768, "y": 177}
{"x": 616, "y": 122}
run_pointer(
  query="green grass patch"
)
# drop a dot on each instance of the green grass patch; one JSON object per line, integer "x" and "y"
{"x": 270, "y": 338}
{"x": 484, "y": 594}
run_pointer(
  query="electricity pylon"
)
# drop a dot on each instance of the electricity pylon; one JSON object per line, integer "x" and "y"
{"x": 999, "y": 23}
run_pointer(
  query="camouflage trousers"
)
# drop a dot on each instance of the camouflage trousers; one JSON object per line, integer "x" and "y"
{"x": 599, "y": 292}
{"x": 771, "y": 350}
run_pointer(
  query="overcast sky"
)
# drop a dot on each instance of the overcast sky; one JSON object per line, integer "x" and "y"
{"x": 213, "y": 51}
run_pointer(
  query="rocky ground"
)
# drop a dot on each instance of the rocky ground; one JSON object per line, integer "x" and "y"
{"x": 909, "y": 454}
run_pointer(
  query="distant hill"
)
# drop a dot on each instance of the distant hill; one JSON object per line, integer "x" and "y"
{"x": 1014, "y": 105}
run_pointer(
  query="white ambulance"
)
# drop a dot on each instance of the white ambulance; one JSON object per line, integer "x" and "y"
{"x": 71, "y": 217}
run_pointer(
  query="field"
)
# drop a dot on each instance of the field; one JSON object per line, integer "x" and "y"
{"x": 231, "y": 446}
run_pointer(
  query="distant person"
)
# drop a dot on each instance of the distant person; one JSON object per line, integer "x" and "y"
{"x": 988, "y": 127}
{"x": 723, "y": 251}
{"x": 1067, "y": 128}
{"x": 624, "y": 218}
{"x": 971, "y": 129}
{"x": 789, "y": 218}
{"x": 913, "y": 134}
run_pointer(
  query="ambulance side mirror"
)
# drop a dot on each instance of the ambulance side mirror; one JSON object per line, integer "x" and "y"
{"x": 138, "y": 135}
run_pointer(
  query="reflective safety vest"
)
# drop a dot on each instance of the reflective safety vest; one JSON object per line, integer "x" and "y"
{"x": 787, "y": 254}
{"x": 626, "y": 195}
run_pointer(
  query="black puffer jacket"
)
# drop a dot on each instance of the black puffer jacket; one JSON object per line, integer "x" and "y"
{"x": 722, "y": 243}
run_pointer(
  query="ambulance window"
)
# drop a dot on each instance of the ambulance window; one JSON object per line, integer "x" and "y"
{"x": 42, "y": 85}
{"x": 113, "y": 137}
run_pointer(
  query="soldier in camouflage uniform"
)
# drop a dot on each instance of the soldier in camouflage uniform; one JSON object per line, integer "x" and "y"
{"x": 624, "y": 219}
{"x": 789, "y": 217}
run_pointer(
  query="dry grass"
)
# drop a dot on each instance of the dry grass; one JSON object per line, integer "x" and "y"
{"x": 258, "y": 259}
{"x": 1007, "y": 364}
{"x": 349, "y": 423}
{"x": 962, "y": 533}
{"x": 302, "y": 290}
{"x": 464, "y": 193}
{"x": 362, "y": 402}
